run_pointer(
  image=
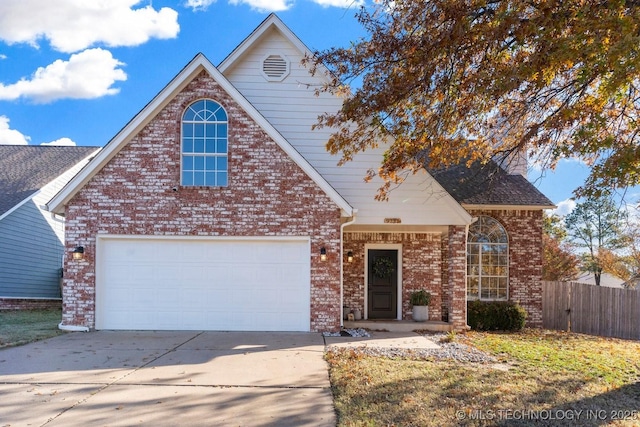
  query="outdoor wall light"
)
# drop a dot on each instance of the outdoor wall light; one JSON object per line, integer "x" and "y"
{"x": 78, "y": 253}
{"x": 323, "y": 254}
{"x": 349, "y": 256}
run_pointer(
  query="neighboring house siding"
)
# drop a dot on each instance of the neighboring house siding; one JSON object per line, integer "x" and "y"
{"x": 268, "y": 195}
{"x": 31, "y": 246}
{"x": 293, "y": 107}
{"x": 524, "y": 229}
{"x": 30, "y": 254}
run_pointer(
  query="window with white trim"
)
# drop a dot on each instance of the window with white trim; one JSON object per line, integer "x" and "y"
{"x": 204, "y": 144}
{"x": 487, "y": 260}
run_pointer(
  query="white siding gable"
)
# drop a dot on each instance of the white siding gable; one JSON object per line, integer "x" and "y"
{"x": 292, "y": 107}
{"x": 51, "y": 189}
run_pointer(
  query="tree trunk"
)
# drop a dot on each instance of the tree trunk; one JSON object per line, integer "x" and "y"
{"x": 597, "y": 274}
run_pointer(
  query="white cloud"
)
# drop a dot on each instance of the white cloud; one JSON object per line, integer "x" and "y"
{"x": 62, "y": 141}
{"x": 264, "y": 5}
{"x": 74, "y": 25}
{"x": 10, "y": 136}
{"x": 86, "y": 75}
{"x": 340, "y": 3}
{"x": 197, "y": 5}
{"x": 272, "y": 5}
{"x": 565, "y": 207}
{"x": 3, "y": 56}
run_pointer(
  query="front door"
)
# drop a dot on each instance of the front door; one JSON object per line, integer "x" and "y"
{"x": 382, "y": 273}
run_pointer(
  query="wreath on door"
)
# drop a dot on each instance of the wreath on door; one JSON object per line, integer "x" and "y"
{"x": 383, "y": 267}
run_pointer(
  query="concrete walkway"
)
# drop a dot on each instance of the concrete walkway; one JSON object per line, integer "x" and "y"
{"x": 167, "y": 379}
{"x": 403, "y": 340}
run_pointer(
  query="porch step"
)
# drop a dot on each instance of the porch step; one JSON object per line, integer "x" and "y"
{"x": 398, "y": 325}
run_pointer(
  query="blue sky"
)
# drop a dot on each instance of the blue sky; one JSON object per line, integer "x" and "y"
{"x": 75, "y": 72}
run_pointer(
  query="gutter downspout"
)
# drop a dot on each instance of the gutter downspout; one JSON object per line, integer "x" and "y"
{"x": 342, "y": 226}
{"x": 72, "y": 328}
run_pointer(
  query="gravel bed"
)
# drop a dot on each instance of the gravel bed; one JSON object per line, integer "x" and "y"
{"x": 358, "y": 333}
{"x": 447, "y": 351}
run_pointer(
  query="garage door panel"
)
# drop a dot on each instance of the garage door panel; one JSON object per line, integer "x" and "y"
{"x": 218, "y": 273}
{"x": 140, "y": 297}
{"x": 265, "y": 298}
{"x": 293, "y": 254}
{"x": 192, "y": 272}
{"x": 217, "y": 252}
{"x": 166, "y": 276}
{"x": 192, "y": 299}
{"x": 240, "y": 298}
{"x": 202, "y": 284}
{"x": 165, "y": 299}
{"x": 193, "y": 320}
{"x": 168, "y": 320}
{"x": 268, "y": 271}
{"x": 189, "y": 253}
{"x": 243, "y": 276}
{"x": 120, "y": 319}
{"x": 118, "y": 274}
{"x": 146, "y": 319}
{"x": 218, "y": 299}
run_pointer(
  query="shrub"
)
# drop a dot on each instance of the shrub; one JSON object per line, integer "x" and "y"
{"x": 420, "y": 297}
{"x": 495, "y": 316}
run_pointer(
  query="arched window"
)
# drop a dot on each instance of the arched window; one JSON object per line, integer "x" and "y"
{"x": 487, "y": 260}
{"x": 204, "y": 144}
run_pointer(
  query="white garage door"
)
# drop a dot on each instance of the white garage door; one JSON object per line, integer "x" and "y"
{"x": 203, "y": 284}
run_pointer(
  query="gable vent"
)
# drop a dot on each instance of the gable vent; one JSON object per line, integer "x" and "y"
{"x": 275, "y": 67}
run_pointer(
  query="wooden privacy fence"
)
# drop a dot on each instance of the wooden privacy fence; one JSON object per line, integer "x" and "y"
{"x": 589, "y": 309}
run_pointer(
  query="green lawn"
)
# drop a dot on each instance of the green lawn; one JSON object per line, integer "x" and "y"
{"x": 543, "y": 378}
{"x": 24, "y": 326}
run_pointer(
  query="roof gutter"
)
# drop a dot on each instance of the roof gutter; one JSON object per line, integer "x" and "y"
{"x": 509, "y": 207}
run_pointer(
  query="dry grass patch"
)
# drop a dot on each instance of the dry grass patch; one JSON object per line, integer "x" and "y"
{"x": 24, "y": 326}
{"x": 608, "y": 361}
{"x": 550, "y": 374}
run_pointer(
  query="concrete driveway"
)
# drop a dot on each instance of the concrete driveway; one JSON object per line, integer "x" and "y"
{"x": 167, "y": 378}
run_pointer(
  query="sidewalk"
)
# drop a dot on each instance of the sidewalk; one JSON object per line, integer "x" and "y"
{"x": 378, "y": 339}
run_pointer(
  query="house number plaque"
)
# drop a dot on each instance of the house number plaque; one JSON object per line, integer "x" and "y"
{"x": 392, "y": 220}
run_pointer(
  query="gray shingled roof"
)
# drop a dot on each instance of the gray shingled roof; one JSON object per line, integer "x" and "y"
{"x": 24, "y": 169}
{"x": 489, "y": 185}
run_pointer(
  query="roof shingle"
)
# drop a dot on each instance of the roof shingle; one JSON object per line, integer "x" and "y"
{"x": 489, "y": 184}
{"x": 24, "y": 169}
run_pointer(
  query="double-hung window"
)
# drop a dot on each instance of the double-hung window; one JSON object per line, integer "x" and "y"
{"x": 204, "y": 144}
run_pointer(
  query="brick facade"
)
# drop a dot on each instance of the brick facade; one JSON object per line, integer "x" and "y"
{"x": 29, "y": 304}
{"x": 456, "y": 272}
{"x": 421, "y": 265}
{"x": 524, "y": 229}
{"x": 268, "y": 195}
{"x": 437, "y": 262}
